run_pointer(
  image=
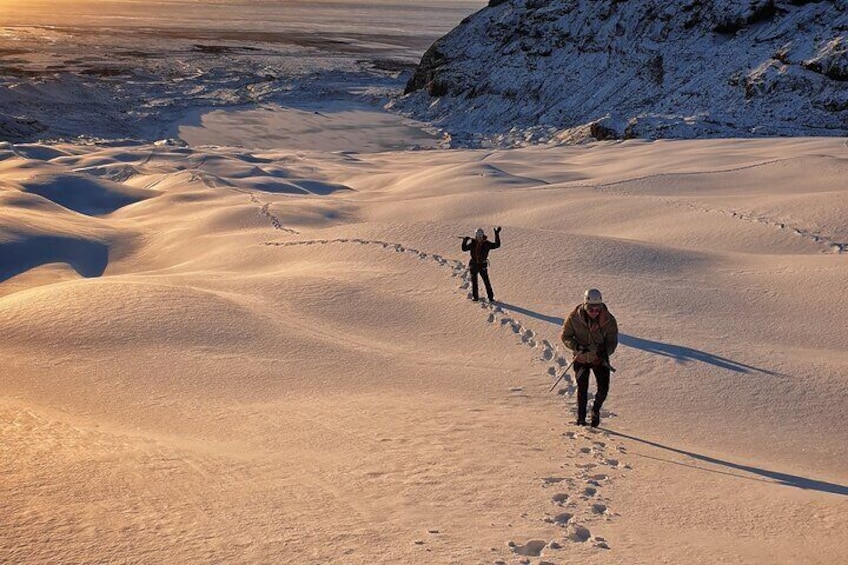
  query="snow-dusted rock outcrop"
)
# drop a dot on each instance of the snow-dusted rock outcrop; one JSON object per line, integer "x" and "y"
{"x": 563, "y": 70}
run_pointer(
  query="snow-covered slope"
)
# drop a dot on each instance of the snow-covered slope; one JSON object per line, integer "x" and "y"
{"x": 270, "y": 356}
{"x": 560, "y": 70}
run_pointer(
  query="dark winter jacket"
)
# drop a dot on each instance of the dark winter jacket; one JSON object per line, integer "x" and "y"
{"x": 480, "y": 249}
{"x": 592, "y": 340}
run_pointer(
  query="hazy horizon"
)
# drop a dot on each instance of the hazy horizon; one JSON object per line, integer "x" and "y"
{"x": 380, "y": 15}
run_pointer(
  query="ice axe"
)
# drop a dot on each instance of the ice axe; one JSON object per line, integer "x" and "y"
{"x": 562, "y": 375}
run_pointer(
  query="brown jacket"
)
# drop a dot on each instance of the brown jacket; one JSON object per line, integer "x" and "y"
{"x": 592, "y": 340}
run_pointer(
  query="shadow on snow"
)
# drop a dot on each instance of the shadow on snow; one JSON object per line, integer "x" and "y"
{"x": 679, "y": 353}
{"x": 776, "y": 476}
{"x": 88, "y": 258}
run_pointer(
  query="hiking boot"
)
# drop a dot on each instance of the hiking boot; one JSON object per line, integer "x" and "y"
{"x": 596, "y": 419}
{"x": 580, "y": 422}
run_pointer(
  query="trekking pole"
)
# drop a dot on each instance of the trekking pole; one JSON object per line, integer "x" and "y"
{"x": 562, "y": 375}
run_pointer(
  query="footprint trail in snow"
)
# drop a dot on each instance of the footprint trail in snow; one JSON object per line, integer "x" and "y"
{"x": 593, "y": 461}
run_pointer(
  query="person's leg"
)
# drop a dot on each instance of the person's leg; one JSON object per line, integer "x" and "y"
{"x": 602, "y": 378}
{"x": 582, "y": 373}
{"x": 484, "y": 273}
{"x": 474, "y": 290}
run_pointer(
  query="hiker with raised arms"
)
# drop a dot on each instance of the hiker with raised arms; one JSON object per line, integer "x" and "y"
{"x": 479, "y": 247}
{"x": 591, "y": 332}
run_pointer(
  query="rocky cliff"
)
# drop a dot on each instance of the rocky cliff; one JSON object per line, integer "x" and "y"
{"x": 566, "y": 70}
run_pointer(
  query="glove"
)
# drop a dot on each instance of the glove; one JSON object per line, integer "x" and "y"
{"x": 583, "y": 354}
{"x": 590, "y": 355}
{"x": 498, "y": 229}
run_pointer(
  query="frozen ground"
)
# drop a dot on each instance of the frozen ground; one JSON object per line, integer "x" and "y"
{"x": 134, "y": 70}
{"x": 327, "y": 126}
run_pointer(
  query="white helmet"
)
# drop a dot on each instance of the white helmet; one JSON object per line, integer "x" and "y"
{"x": 593, "y": 296}
{"x": 479, "y": 234}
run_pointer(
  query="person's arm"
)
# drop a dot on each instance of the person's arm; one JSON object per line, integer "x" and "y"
{"x": 582, "y": 353}
{"x": 611, "y": 339}
{"x": 466, "y": 243}
{"x": 497, "y": 242}
{"x": 568, "y": 335}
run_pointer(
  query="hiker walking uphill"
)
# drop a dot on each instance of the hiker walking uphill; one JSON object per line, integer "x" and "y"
{"x": 479, "y": 248}
{"x": 591, "y": 332}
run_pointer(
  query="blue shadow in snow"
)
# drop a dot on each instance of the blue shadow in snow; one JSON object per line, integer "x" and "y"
{"x": 88, "y": 258}
{"x": 83, "y": 194}
{"x": 780, "y": 478}
{"x": 679, "y": 353}
{"x": 684, "y": 354}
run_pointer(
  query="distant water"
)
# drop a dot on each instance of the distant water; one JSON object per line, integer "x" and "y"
{"x": 389, "y": 17}
{"x": 140, "y": 69}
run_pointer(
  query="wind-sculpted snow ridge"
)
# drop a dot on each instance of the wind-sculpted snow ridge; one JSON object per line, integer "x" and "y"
{"x": 65, "y": 204}
{"x": 82, "y": 193}
{"x": 564, "y": 71}
{"x": 495, "y": 313}
{"x": 831, "y": 242}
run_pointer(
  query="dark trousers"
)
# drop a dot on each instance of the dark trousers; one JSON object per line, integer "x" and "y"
{"x": 484, "y": 274}
{"x": 602, "y": 378}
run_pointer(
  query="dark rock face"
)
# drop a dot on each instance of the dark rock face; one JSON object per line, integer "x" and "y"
{"x": 13, "y": 128}
{"x": 731, "y": 19}
{"x": 536, "y": 70}
{"x": 425, "y": 74}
